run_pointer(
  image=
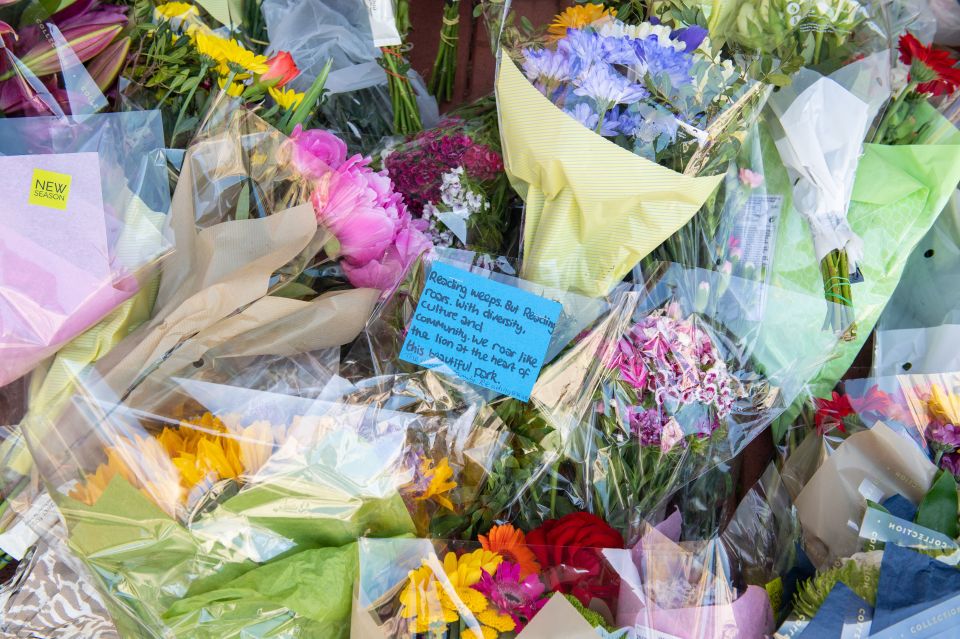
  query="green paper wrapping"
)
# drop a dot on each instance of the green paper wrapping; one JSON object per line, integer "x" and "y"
{"x": 307, "y": 596}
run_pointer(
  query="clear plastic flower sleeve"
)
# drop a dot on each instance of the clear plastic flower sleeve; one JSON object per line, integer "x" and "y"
{"x": 676, "y": 379}
{"x": 85, "y": 218}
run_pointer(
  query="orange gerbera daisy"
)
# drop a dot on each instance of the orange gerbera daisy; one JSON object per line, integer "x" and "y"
{"x": 511, "y": 544}
{"x": 577, "y": 17}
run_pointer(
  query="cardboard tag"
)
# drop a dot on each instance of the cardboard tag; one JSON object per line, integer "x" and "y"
{"x": 482, "y": 331}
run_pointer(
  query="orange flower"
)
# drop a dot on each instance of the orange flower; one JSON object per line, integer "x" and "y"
{"x": 511, "y": 544}
{"x": 577, "y": 17}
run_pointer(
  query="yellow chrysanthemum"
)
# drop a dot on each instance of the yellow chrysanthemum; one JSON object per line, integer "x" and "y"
{"x": 430, "y": 604}
{"x": 93, "y": 485}
{"x": 497, "y": 620}
{"x": 944, "y": 406}
{"x": 440, "y": 478}
{"x": 577, "y": 17}
{"x": 171, "y": 10}
{"x": 287, "y": 99}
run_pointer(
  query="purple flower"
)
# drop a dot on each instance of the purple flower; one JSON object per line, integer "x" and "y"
{"x": 646, "y": 424}
{"x": 548, "y": 66}
{"x": 583, "y": 113}
{"x": 951, "y": 463}
{"x": 511, "y": 595}
{"x": 947, "y": 434}
{"x": 664, "y": 60}
{"x": 691, "y": 36}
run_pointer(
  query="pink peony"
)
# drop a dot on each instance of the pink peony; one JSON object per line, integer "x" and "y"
{"x": 386, "y": 272}
{"x": 359, "y": 207}
{"x": 316, "y": 151}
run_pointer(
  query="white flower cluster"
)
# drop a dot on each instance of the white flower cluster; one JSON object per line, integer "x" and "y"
{"x": 458, "y": 201}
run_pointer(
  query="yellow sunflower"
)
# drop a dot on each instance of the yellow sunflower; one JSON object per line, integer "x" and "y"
{"x": 577, "y": 17}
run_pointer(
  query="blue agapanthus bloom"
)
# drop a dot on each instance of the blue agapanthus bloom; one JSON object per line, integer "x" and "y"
{"x": 664, "y": 60}
{"x": 607, "y": 88}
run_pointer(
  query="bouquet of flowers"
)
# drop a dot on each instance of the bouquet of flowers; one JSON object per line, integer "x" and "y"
{"x": 86, "y": 223}
{"x": 187, "y": 64}
{"x": 648, "y": 107}
{"x": 98, "y": 38}
{"x": 197, "y": 490}
{"x": 671, "y": 382}
{"x": 451, "y": 177}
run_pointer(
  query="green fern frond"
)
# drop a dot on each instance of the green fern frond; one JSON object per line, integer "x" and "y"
{"x": 813, "y": 592}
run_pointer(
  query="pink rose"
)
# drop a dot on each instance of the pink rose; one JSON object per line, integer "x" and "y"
{"x": 316, "y": 151}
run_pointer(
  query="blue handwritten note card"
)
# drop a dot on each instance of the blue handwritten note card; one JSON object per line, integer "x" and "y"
{"x": 485, "y": 332}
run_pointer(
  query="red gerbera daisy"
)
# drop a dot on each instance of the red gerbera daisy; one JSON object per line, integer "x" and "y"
{"x": 932, "y": 69}
{"x": 830, "y": 412}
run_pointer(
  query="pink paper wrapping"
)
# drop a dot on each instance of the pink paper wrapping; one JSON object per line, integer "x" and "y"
{"x": 747, "y": 617}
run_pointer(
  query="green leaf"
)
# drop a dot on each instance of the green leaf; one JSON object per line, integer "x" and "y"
{"x": 295, "y": 290}
{"x": 938, "y": 510}
{"x": 778, "y": 79}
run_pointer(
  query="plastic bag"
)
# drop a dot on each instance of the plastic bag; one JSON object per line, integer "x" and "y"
{"x": 587, "y": 223}
{"x": 359, "y": 108}
{"x": 671, "y": 382}
{"x": 91, "y": 224}
{"x": 920, "y": 317}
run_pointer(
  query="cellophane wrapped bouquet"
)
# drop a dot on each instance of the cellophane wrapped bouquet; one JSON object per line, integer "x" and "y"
{"x": 673, "y": 381}
{"x": 653, "y": 109}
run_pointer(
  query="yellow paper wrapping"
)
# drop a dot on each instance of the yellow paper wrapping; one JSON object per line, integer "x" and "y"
{"x": 593, "y": 209}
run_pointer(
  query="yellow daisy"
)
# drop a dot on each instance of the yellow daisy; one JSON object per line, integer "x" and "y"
{"x": 235, "y": 89}
{"x": 577, "y": 17}
{"x": 430, "y": 604}
{"x": 944, "y": 406}
{"x": 174, "y": 11}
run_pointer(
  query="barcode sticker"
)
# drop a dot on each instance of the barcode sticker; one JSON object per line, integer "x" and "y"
{"x": 755, "y": 228}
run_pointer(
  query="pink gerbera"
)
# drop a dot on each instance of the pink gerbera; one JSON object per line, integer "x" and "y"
{"x": 512, "y": 595}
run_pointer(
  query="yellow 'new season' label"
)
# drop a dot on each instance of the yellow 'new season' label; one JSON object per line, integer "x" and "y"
{"x": 50, "y": 189}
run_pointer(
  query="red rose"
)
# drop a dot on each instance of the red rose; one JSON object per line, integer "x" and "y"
{"x": 567, "y": 549}
{"x": 281, "y": 69}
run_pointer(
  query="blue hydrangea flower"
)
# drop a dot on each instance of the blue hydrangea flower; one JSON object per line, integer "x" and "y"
{"x": 664, "y": 60}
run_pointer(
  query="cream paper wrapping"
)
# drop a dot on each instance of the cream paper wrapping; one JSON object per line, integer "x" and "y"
{"x": 831, "y": 500}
